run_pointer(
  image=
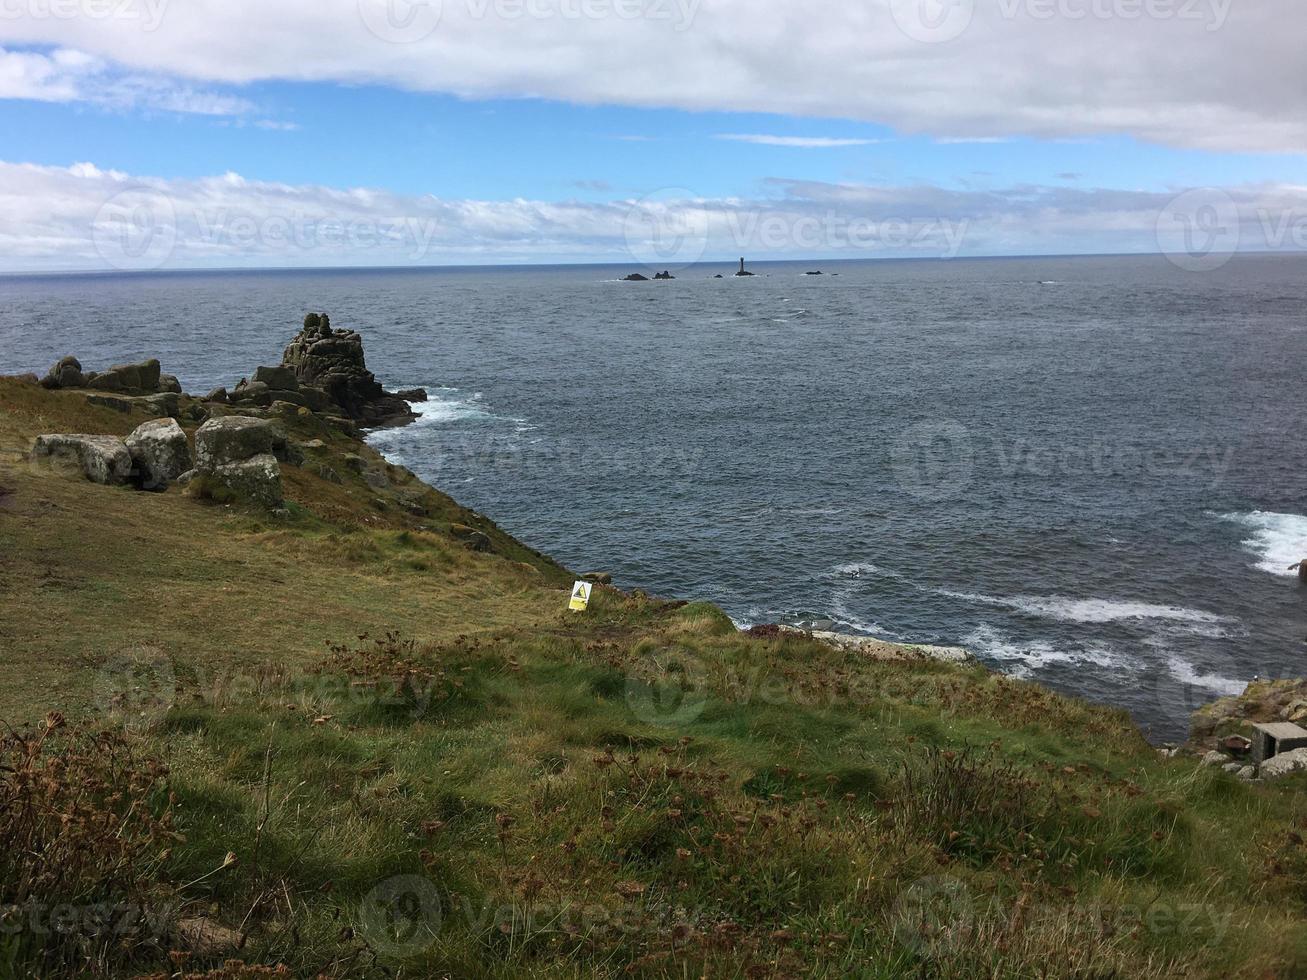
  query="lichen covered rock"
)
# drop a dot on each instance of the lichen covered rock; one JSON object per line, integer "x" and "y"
{"x": 257, "y": 480}
{"x": 160, "y": 453}
{"x": 101, "y": 459}
{"x": 234, "y": 439}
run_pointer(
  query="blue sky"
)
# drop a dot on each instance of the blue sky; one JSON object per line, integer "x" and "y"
{"x": 419, "y": 143}
{"x": 541, "y": 135}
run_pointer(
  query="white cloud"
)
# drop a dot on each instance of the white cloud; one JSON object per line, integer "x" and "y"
{"x": 84, "y": 217}
{"x": 1212, "y": 74}
{"x": 66, "y": 75}
{"x": 798, "y": 142}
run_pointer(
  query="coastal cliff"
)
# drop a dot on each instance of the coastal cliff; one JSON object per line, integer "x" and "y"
{"x": 355, "y": 731}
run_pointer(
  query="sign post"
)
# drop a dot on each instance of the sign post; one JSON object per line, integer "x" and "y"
{"x": 580, "y": 597}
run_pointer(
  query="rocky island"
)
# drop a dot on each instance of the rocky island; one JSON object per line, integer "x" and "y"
{"x": 295, "y": 712}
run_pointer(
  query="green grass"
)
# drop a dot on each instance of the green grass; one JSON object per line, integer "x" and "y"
{"x": 423, "y": 765}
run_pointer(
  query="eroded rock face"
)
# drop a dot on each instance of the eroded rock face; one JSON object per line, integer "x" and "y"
{"x": 101, "y": 459}
{"x": 332, "y": 360}
{"x": 234, "y": 439}
{"x": 257, "y": 479}
{"x": 160, "y": 453}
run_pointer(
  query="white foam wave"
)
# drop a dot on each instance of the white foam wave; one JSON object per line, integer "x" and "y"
{"x": 1071, "y": 610}
{"x": 864, "y": 569}
{"x": 444, "y": 406}
{"x": 1278, "y": 540}
{"x": 1187, "y": 673}
{"x": 1025, "y": 657}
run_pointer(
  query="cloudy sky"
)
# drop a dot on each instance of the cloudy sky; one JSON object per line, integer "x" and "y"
{"x": 217, "y": 133}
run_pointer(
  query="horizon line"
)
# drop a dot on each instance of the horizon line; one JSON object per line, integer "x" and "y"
{"x": 202, "y": 270}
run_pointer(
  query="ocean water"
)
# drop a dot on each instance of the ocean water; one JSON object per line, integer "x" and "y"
{"x": 1090, "y": 471}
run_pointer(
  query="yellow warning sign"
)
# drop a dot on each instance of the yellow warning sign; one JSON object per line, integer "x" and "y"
{"x": 580, "y": 597}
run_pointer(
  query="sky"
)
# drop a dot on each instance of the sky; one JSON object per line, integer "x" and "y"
{"x": 141, "y": 134}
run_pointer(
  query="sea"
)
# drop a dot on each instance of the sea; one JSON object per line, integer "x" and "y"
{"x": 1089, "y": 471}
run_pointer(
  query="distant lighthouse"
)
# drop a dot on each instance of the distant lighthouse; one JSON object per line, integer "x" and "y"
{"x": 742, "y": 272}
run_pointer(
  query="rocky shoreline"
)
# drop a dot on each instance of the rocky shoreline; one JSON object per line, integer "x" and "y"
{"x": 240, "y": 447}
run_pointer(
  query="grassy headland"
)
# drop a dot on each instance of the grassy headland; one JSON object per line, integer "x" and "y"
{"x": 344, "y": 743}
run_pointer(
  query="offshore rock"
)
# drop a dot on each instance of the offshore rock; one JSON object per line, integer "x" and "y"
{"x": 333, "y": 361}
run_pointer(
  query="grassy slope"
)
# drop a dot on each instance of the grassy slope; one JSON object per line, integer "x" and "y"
{"x": 636, "y": 790}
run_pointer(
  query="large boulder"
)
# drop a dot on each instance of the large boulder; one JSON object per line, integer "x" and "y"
{"x": 277, "y": 378}
{"x": 333, "y": 361}
{"x": 129, "y": 379}
{"x": 65, "y": 374}
{"x": 160, "y": 451}
{"x": 253, "y": 393}
{"x": 101, "y": 459}
{"x": 235, "y": 439}
{"x": 1284, "y": 764}
{"x": 257, "y": 479}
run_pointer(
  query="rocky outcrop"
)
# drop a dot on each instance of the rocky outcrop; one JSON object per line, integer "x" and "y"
{"x": 257, "y": 479}
{"x": 67, "y": 373}
{"x": 128, "y": 379}
{"x": 333, "y": 362}
{"x": 635, "y": 277}
{"x": 159, "y": 452}
{"x": 235, "y": 439}
{"x": 144, "y": 378}
{"x": 101, "y": 459}
{"x": 1261, "y": 702}
{"x": 664, "y": 275}
{"x": 237, "y": 453}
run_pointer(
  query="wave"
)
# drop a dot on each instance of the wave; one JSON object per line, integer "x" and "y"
{"x": 1023, "y": 657}
{"x": 1187, "y": 673}
{"x": 1071, "y": 610}
{"x": 1278, "y": 540}
{"x": 444, "y": 406}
